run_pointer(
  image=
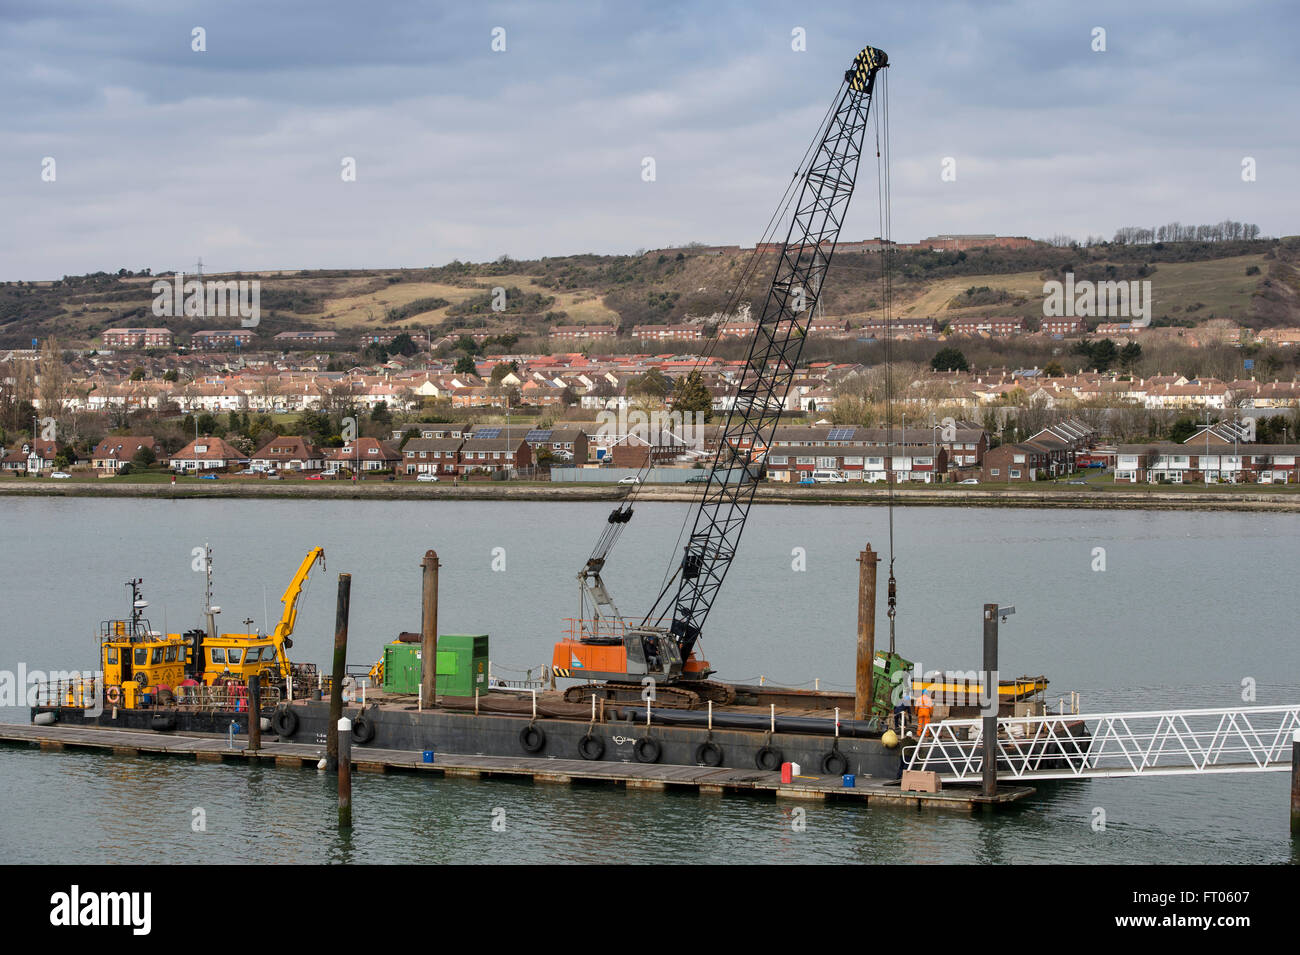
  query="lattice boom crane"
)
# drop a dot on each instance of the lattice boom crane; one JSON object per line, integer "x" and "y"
{"x": 625, "y": 655}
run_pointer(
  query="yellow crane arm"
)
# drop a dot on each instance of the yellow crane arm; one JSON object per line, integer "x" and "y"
{"x": 284, "y": 629}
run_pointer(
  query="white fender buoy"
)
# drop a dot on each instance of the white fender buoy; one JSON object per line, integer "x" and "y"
{"x": 48, "y": 718}
{"x": 266, "y": 725}
{"x": 322, "y": 764}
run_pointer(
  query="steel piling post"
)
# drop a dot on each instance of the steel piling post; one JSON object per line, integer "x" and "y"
{"x": 990, "y": 700}
{"x": 867, "y": 561}
{"x": 340, "y": 668}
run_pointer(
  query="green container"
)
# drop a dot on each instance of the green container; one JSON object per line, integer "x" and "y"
{"x": 892, "y": 674}
{"x": 462, "y": 665}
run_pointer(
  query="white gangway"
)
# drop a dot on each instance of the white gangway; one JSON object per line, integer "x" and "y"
{"x": 1143, "y": 743}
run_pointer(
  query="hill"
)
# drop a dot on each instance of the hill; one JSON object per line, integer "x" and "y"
{"x": 1252, "y": 282}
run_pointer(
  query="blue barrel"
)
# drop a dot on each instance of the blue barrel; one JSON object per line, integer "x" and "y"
{"x": 850, "y": 780}
{"x": 146, "y": 699}
{"x": 428, "y": 756}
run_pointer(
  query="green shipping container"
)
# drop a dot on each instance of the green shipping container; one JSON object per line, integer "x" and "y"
{"x": 462, "y": 665}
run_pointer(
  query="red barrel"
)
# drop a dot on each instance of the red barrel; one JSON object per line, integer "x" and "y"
{"x": 787, "y": 772}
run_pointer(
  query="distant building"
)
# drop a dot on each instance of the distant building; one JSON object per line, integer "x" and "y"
{"x": 137, "y": 337}
{"x": 582, "y": 333}
{"x": 666, "y": 333}
{"x": 210, "y": 338}
{"x": 992, "y": 327}
{"x": 313, "y": 336}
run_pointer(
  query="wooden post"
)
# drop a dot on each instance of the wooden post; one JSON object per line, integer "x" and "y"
{"x": 255, "y": 712}
{"x": 990, "y": 699}
{"x": 344, "y": 737}
{"x": 429, "y": 629}
{"x": 867, "y": 562}
{"x": 1295, "y": 784}
{"x": 340, "y": 669}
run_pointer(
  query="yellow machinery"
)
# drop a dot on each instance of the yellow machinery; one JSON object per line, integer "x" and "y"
{"x": 138, "y": 660}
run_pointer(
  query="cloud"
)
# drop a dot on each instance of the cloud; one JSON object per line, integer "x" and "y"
{"x": 233, "y": 154}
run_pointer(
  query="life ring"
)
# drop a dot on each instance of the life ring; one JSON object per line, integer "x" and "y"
{"x": 284, "y": 722}
{"x": 363, "y": 730}
{"x": 647, "y": 749}
{"x": 591, "y": 747}
{"x": 708, "y": 753}
{"x": 834, "y": 764}
{"x": 532, "y": 738}
{"x": 114, "y": 694}
{"x": 768, "y": 759}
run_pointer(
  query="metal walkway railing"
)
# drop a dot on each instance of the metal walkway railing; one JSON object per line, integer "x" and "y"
{"x": 1144, "y": 743}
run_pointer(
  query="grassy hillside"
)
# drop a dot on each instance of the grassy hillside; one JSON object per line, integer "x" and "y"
{"x": 1191, "y": 283}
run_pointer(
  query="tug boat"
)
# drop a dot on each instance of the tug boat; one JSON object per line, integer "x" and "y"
{"x": 201, "y": 669}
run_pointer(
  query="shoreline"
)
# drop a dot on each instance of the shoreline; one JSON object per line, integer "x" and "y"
{"x": 1051, "y": 497}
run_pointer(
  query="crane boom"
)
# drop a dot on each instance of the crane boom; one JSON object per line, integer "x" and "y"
{"x": 764, "y": 385}
{"x": 621, "y": 659}
{"x": 284, "y": 629}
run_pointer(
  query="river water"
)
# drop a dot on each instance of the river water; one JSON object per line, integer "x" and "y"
{"x": 1134, "y": 610}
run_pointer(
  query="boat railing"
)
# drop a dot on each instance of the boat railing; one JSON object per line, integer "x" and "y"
{"x": 71, "y": 689}
{"x": 225, "y": 697}
{"x": 589, "y": 628}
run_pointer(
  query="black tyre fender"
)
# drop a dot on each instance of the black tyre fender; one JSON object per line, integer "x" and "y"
{"x": 284, "y": 722}
{"x": 591, "y": 747}
{"x": 768, "y": 759}
{"x": 532, "y": 738}
{"x": 363, "y": 730}
{"x": 162, "y": 722}
{"x": 647, "y": 750}
{"x": 709, "y": 753}
{"x": 834, "y": 764}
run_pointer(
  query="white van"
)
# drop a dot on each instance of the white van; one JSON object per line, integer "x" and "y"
{"x": 829, "y": 477}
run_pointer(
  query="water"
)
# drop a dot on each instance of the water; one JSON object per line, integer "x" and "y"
{"x": 1187, "y": 608}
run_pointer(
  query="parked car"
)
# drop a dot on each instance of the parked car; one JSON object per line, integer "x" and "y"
{"x": 60, "y": 475}
{"x": 1079, "y": 482}
{"x": 806, "y": 480}
{"x": 829, "y": 477}
{"x": 315, "y": 477}
{"x": 698, "y": 479}
{"x": 970, "y": 481}
{"x": 630, "y": 479}
{"x": 427, "y": 478}
{"x": 207, "y": 477}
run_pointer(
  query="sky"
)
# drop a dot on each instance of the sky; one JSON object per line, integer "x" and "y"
{"x": 162, "y": 154}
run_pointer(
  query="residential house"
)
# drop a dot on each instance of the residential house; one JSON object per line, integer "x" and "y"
{"x": 792, "y": 463}
{"x": 207, "y": 454}
{"x": 116, "y": 450}
{"x": 439, "y": 456}
{"x": 288, "y": 453}
{"x": 479, "y": 454}
{"x": 363, "y": 454}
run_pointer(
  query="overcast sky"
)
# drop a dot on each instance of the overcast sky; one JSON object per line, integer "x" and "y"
{"x": 163, "y": 155}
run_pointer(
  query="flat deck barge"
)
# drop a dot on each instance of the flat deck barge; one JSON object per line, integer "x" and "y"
{"x": 544, "y": 770}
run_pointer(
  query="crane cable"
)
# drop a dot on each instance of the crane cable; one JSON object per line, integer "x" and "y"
{"x": 886, "y": 296}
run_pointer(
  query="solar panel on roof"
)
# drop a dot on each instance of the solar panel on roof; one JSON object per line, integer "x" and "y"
{"x": 840, "y": 434}
{"x": 488, "y": 433}
{"x": 538, "y": 434}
